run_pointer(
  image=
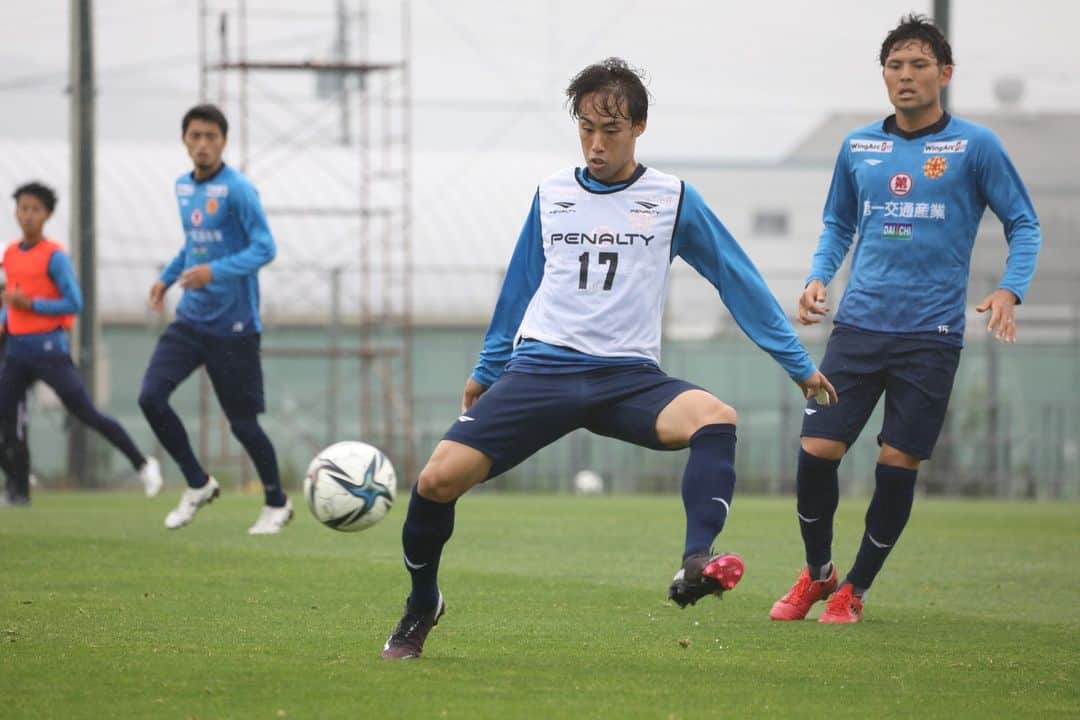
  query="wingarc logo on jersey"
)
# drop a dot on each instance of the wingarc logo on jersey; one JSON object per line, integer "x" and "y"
{"x": 881, "y": 146}
{"x": 951, "y": 146}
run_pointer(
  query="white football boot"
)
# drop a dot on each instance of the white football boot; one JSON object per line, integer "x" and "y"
{"x": 272, "y": 519}
{"x": 191, "y": 500}
{"x": 150, "y": 477}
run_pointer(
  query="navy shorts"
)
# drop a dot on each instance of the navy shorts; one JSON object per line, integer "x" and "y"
{"x": 915, "y": 374}
{"x": 524, "y": 412}
{"x": 232, "y": 362}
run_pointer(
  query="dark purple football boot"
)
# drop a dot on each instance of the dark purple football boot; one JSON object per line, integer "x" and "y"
{"x": 407, "y": 640}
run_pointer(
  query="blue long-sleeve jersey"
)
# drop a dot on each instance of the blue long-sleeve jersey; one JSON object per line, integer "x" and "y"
{"x": 915, "y": 200}
{"x": 225, "y": 226}
{"x": 70, "y": 302}
{"x": 699, "y": 238}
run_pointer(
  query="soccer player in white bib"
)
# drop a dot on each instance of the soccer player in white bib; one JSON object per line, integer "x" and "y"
{"x": 575, "y": 343}
{"x": 913, "y": 187}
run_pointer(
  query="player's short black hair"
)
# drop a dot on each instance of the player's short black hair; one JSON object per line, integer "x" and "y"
{"x": 41, "y": 191}
{"x": 614, "y": 81}
{"x": 920, "y": 29}
{"x": 208, "y": 113}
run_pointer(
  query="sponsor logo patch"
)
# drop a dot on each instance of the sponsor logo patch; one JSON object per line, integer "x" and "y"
{"x": 185, "y": 190}
{"x": 645, "y": 207}
{"x": 217, "y": 191}
{"x": 882, "y": 146}
{"x": 900, "y": 184}
{"x": 196, "y": 217}
{"x": 935, "y": 167}
{"x": 900, "y": 231}
{"x": 939, "y": 148}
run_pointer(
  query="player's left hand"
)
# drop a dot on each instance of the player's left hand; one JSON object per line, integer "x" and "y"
{"x": 18, "y": 299}
{"x": 196, "y": 277}
{"x": 1002, "y": 324}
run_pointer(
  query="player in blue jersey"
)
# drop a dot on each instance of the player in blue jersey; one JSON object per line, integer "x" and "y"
{"x": 913, "y": 188}
{"x": 575, "y": 343}
{"x": 226, "y": 241}
{"x": 41, "y": 299}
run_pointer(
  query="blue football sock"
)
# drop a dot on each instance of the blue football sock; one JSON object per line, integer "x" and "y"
{"x": 708, "y": 485}
{"x": 890, "y": 508}
{"x": 428, "y": 525}
{"x": 817, "y": 491}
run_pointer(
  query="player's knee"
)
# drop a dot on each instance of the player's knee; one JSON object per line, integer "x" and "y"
{"x": 245, "y": 429}
{"x": 824, "y": 448}
{"x": 713, "y": 411}
{"x": 437, "y": 483}
{"x": 894, "y": 457}
{"x": 152, "y": 400}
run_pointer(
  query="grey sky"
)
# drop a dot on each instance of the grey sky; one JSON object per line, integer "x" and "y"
{"x": 730, "y": 79}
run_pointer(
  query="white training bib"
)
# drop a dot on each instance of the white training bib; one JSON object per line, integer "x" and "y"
{"x": 606, "y": 261}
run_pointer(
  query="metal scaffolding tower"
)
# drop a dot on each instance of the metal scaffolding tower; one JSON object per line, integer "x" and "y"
{"x": 362, "y": 88}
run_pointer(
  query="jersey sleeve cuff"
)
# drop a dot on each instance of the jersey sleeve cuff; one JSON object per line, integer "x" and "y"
{"x": 804, "y": 371}
{"x": 484, "y": 376}
{"x": 1019, "y": 295}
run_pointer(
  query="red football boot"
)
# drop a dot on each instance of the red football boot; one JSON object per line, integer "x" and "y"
{"x": 802, "y": 596}
{"x": 844, "y": 607}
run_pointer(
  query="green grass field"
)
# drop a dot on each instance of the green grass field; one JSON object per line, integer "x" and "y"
{"x": 556, "y": 610}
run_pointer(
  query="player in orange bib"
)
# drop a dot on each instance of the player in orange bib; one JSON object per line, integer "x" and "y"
{"x": 41, "y": 301}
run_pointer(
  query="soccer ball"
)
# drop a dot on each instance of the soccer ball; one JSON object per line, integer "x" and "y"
{"x": 350, "y": 486}
{"x": 588, "y": 482}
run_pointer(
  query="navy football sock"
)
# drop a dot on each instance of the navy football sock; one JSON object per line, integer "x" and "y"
{"x": 708, "y": 485}
{"x": 890, "y": 508}
{"x": 170, "y": 432}
{"x": 16, "y": 461}
{"x": 817, "y": 491}
{"x": 428, "y": 525}
{"x": 247, "y": 430}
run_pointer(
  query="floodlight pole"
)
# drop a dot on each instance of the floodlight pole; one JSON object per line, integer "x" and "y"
{"x": 81, "y": 465}
{"x": 941, "y": 19}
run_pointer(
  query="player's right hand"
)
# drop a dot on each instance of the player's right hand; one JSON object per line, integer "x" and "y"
{"x": 157, "y": 296}
{"x": 817, "y": 386}
{"x": 812, "y": 307}
{"x": 473, "y": 391}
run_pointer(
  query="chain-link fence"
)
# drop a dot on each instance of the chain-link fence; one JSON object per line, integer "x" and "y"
{"x": 1012, "y": 427}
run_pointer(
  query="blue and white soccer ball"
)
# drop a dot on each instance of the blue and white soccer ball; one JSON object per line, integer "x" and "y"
{"x": 350, "y": 486}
